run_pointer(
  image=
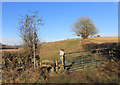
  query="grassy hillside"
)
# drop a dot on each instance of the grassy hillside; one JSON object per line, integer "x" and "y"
{"x": 100, "y": 40}
{"x": 51, "y": 50}
{"x": 105, "y": 73}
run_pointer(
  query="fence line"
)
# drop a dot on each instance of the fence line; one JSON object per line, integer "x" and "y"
{"x": 85, "y": 61}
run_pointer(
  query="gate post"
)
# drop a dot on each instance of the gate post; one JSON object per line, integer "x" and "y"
{"x": 56, "y": 65}
{"x": 109, "y": 55}
{"x": 62, "y": 58}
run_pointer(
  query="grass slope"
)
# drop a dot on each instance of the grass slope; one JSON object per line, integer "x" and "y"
{"x": 50, "y": 51}
{"x": 108, "y": 73}
{"x": 104, "y": 74}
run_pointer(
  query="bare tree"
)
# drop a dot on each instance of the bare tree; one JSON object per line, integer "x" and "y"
{"x": 84, "y": 27}
{"x": 28, "y": 27}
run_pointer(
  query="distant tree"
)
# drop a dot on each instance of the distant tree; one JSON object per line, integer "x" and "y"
{"x": 98, "y": 35}
{"x": 84, "y": 27}
{"x": 28, "y": 28}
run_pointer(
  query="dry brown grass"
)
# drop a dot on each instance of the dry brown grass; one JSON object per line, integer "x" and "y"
{"x": 51, "y": 50}
{"x": 100, "y": 40}
{"x": 8, "y": 50}
{"x": 104, "y": 74}
{"x": 12, "y": 50}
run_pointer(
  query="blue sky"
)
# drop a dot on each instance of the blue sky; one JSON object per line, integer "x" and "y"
{"x": 58, "y": 17}
{"x": 59, "y": 0}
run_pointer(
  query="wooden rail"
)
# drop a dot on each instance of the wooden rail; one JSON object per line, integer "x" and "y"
{"x": 85, "y": 61}
{"x": 55, "y": 65}
{"x": 104, "y": 51}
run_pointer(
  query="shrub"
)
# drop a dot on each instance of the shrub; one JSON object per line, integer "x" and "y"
{"x": 98, "y": 35}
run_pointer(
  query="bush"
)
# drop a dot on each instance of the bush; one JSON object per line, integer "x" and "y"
{"x": 113, "y": 47}
{"x": 18, "y": 68}
{"x": 98, "y": 35}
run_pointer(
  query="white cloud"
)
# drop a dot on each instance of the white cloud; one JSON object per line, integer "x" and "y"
{"x": 11, "y": 41}
{"x": 51, "y": 39}
{"x": 19, "y": 41}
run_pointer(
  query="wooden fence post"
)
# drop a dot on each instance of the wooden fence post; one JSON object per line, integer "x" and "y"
{"x": 109, "y": 56}
{"x": 96, "y": 63}
{"x": 46, "y": 74}
{"x": 63, "y": 62}
{"x": 40, "y": 62}
{"x": 52, "y": 69}
{"x": 56, "y": 65}
{"x": 62, "y": 58}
